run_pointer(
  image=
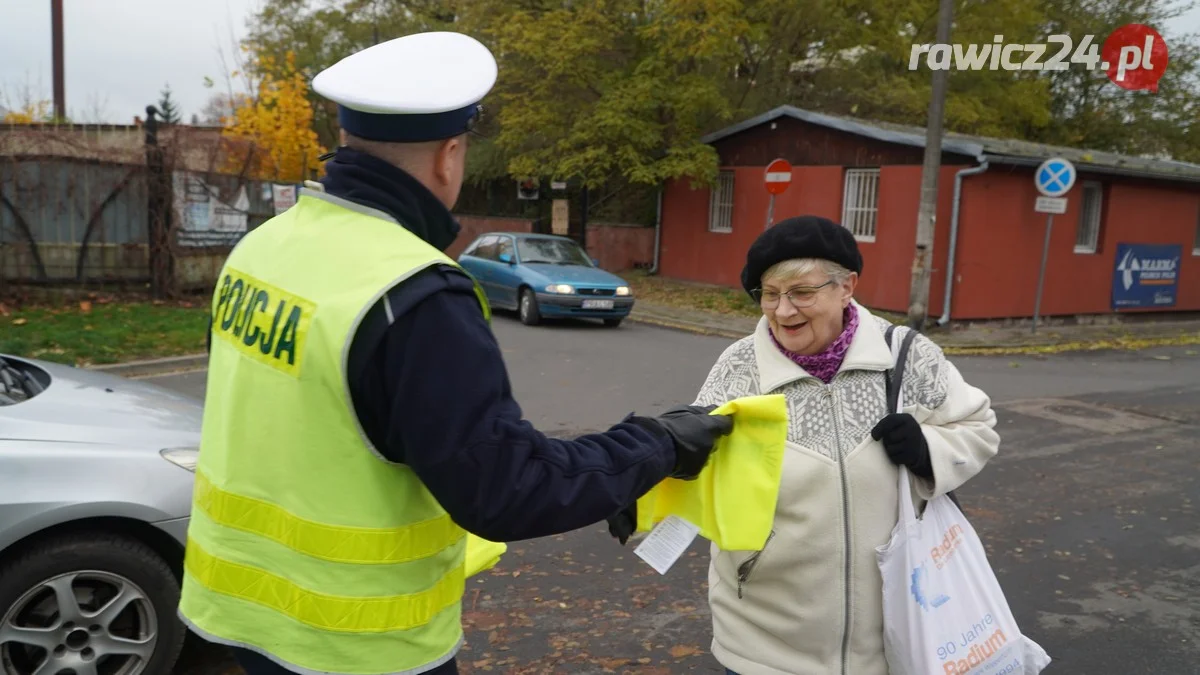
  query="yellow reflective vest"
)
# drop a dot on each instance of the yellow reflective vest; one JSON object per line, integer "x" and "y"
{"x": 304, "y": 543}
{"x": 732, "y": 501}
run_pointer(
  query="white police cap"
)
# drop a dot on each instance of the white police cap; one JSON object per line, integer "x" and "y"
{"x": 421, "y": 87}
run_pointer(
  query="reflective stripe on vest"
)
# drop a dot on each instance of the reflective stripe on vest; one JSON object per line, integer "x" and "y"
{"x": 327, "y": 612}
{"x": 305, "y": 544}
{"x": 361, "y": 545}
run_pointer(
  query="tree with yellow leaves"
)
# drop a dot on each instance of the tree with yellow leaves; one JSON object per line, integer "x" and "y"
{"x": 30, "y": 112}
{"x": 276, "y": 125}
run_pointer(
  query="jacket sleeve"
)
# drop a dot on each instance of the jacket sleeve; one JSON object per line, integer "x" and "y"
{"x": 956, "y": 418}
{"x": 452, "y": 418}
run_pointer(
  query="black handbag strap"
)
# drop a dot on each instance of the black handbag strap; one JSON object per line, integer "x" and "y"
{"x": 895, "y": 379}
{"x": 895, "y": 376}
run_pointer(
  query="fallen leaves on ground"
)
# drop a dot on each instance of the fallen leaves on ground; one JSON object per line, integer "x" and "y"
{"x": 1127, "y": 343}
{"x": 704, "y": 297}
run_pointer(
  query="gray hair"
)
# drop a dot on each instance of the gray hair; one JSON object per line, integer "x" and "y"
{"x": 800, "y": 266}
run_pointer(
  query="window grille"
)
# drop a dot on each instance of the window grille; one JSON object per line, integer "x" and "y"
{"x": 720, "y": 204}
{"x": 861, "y": 203}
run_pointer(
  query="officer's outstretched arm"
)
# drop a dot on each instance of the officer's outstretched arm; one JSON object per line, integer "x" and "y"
{"x": 457, "y": 425}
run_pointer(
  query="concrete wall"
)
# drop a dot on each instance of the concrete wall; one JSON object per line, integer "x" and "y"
{"x": 104, "y": 262}
{"x": 108, "y": 263}
{"x": 621, "y": 247}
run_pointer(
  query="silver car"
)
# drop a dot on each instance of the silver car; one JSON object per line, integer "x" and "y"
{"x": 95, "y": 491}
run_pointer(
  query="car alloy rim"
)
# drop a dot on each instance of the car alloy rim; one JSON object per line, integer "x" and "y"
{"x": 526, "y": 305}
{"x": 85, "y": 623}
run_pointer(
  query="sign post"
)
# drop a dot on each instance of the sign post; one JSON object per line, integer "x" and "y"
{"x": 778, "y": 179}
{"x": 1054, "y": 178}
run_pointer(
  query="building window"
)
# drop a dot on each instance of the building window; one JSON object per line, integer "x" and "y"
{"x": 1087, "y": 235}
{"x": 720, "y": 204}
{"x": 861, "y": 203}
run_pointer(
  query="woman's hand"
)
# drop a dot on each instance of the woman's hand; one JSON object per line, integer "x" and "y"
{"x": 905, "y": 443}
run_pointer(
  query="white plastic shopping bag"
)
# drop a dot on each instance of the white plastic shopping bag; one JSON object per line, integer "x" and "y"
{"x": 943, "y": 610}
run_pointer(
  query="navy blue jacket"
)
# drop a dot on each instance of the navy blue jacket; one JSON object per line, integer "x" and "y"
{"x": 431, "y": 390}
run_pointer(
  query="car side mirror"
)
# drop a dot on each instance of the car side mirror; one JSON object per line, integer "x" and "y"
{"x": 506, "y": 258}
{"x": 596, "y": 262}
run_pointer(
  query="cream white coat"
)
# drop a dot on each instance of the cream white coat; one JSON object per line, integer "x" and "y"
{"x": 810, "y": 603}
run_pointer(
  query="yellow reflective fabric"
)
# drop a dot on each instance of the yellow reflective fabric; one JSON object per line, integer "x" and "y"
{"x": 733, "y": 499}
{"x": 327, "y": 612}
{"x": 482, "y": 554}
{"x": 368, "y": 546}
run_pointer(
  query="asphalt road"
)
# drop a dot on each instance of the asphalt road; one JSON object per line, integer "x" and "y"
{"x": 1088, "y": 512}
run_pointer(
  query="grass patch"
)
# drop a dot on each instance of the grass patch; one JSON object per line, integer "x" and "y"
{"x": 673, "y": 293}
{"x": 103, "y": 331}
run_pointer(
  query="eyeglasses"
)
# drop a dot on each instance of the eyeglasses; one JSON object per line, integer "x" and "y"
{"x": 800, "y": 296}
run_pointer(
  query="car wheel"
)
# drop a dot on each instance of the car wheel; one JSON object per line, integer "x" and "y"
{"x": 530, "y": 316}
{"x": 87, "y": 604}
{"x": 612, "y": 323}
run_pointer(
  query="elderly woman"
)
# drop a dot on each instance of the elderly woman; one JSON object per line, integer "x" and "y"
{"x": 810, "y": 602}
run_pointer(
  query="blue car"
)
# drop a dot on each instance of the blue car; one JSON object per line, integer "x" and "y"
{"x": 545, "y": 276}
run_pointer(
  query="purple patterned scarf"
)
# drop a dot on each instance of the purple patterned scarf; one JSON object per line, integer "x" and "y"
{"x": 825, "y": 364}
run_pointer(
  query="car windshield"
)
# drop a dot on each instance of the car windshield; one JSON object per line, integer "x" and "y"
{"x": 556, "y": 251}
{"x": 18, "y": 383}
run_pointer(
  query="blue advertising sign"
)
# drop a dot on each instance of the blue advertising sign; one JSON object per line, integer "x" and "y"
{"x": 1146, "y": 275}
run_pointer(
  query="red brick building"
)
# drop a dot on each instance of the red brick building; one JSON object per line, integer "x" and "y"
{"x": 867, "y": 176}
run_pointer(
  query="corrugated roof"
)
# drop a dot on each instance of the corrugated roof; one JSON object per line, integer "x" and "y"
{"x": 995, "y": 150}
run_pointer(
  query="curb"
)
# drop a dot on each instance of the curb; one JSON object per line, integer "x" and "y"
{"x": 696, "y": 329}
{"x": 152, "y": 367}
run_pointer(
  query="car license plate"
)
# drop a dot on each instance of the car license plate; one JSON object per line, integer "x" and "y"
{"x": 597, "y": 304}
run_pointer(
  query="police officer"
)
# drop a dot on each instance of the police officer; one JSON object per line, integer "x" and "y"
{"x": 359, "y": 416}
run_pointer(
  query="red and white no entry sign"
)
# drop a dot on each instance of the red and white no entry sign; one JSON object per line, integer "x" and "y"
{"x": 779, "y": 176}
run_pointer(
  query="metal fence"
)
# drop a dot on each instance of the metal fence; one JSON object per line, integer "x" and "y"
{"x": 70, "y": 219}
{"x": 75, "y": 221}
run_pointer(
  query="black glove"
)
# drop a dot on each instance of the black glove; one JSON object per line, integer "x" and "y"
{"x": 624, "y": 523}
{"x": 904, "y": 443}
{"x": 694, "y": 431}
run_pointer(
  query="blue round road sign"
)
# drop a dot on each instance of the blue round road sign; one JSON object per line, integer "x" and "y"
{"x": 1055, "y": 177}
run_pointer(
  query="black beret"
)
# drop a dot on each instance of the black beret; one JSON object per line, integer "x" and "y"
{"x": 800, "y": 237}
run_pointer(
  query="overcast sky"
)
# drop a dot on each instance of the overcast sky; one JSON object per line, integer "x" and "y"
{"x": 117, "y": 64}
{"x": 120, "y": 62}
